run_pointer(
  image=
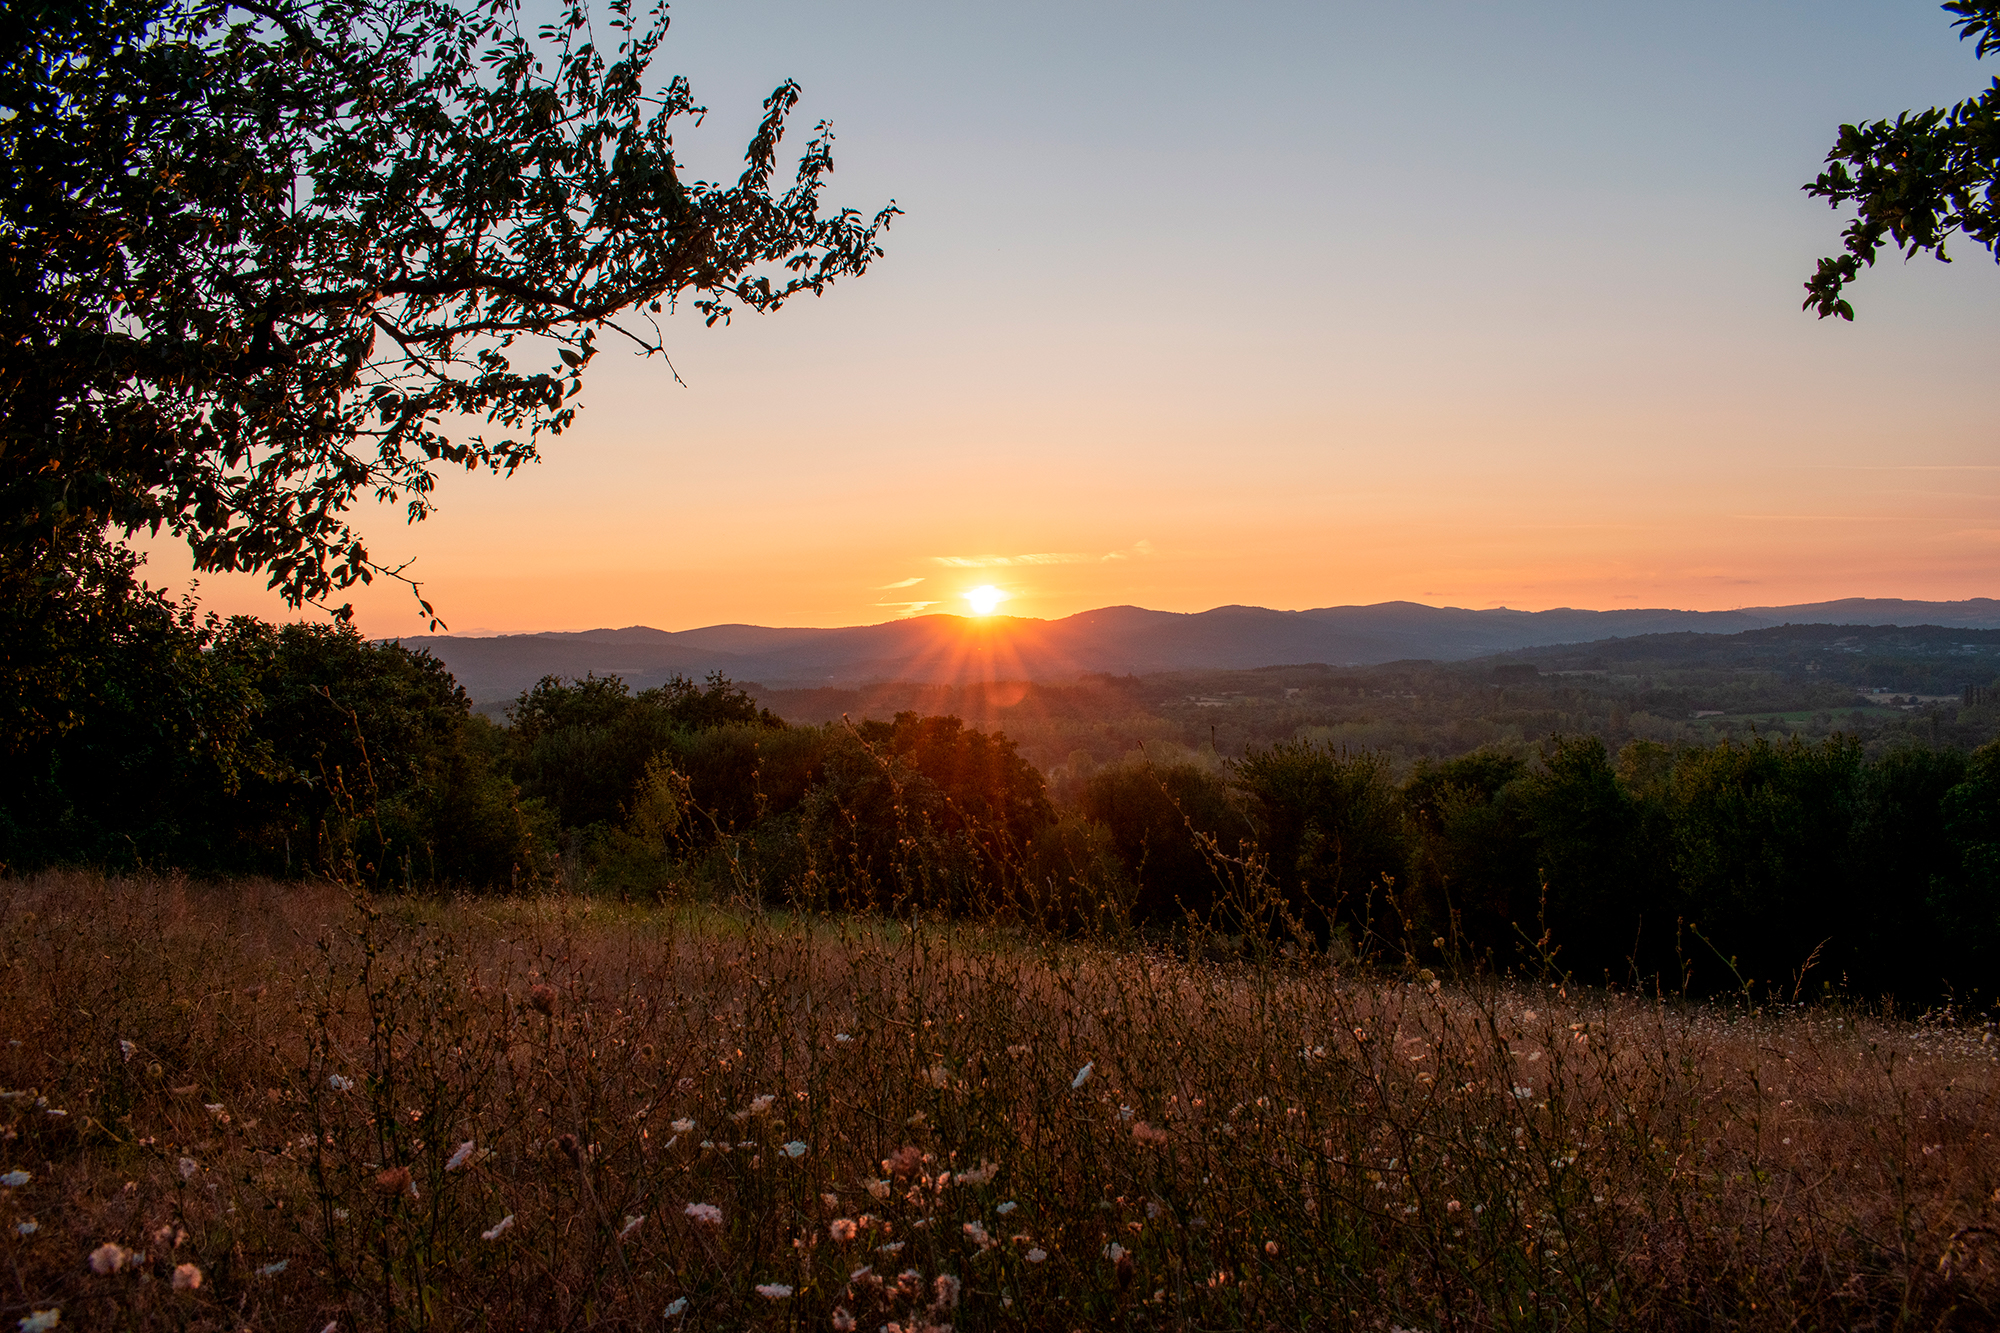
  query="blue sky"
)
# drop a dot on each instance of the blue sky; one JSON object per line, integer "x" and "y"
{"x": 1465, "y": 303}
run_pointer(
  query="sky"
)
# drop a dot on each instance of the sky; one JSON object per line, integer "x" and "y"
{"x": 1283, "y": 304}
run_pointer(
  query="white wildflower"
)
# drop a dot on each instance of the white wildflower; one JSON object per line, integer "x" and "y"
{"x": 1114, "y": 1251}
{"x": 460, "y": 1156}
{"x": 128, "y": 1049}
{"x": 1083, "y": 1075}
{"x": 1005, "y": 1208}
{"x": 1035, "y": 1256}
{"x": 794, "y": 1150}
{"x": 186, "y": 1277}
{"x": 498, "y": 1229}
{"x": 108, "y": 1258}
{"x": 272, "y": 1270}
{"x": 773, "y": 1291}
{"x": 13, "y": 1180}
{"x": 27, "y": 1228}
{"x": 976, "y": 1233}
{"x": 339, "y": 1082}
{"x": 682, "y": 1126}
{"x": 1523, "y": 1093}
{"x": 705, "y": 1213}
{"x": 677, "y": 1306}
{"x": 632, "y": 1222}
{"x": 842, "y": 1038}
{"x": 761, "y": 1103}
{"x": 41, "y": 1321}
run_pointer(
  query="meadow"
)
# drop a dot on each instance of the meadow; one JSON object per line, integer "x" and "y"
{"x": 268, "y": 1105}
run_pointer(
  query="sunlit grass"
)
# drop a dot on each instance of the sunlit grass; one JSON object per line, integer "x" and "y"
{"x": 562, "y": 1113}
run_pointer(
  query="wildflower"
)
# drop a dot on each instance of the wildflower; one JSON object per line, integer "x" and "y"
{"x": 27, "y": 1228}
{"x": 1528, "y": 1015}
{"x": 982, "y": 1175}
{"x": 761, "y": 1103}
{"x": 127, "y": 1049}
{"x": 843, "y": 1321}
{"x": 218, "y": 1110}
{"x": 1146, "y": 1133}
{"x": 1035, "y": 1256}
{"x": 773, "y": 1291}
{"x": 945, "y": 1290}
{"x": 632, "y": 1222}
{"x": 41, "y": 1321}
{"x": 396, "y": 1180}
{"x": 186, "y": 1277}
{"x": 460, "y": 1156}
{"x": 498, "y": 1229}
{"x": 842, "y": 1038}
{"x": 339, "y": 1082}
{"x": 904, "y": 1161}
{"x": 1270, "y": 1247}
{"x": 1452, "y": 1205}
{"x": 13, "y": 1180}
{"x": 841, "y": 1229}
{"x": 1114, "y": 1251}
{"x": 677, "y": 1306}
{"x": 878, "y": 1188}
{"x": 1124, "y": 1113}
{"x": 108, "y": 1258}
{"x": 794, "y": 1150}
{"x": 682, "y": 1126}
{"x": 1005, "y": 1208}
{"x": 1523, "y": 1093}
{"x": 272, "y": 1270}
{"x": 1083, "y": 1075}
{"x": 543, "y": 998}
{"x": 705, "y": 1213}
{"x": 893, "y": 1247}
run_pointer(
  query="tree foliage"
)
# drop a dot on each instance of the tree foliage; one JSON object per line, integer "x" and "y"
{"x": 1917, "y": 180}
{"x": 262, "y": 258}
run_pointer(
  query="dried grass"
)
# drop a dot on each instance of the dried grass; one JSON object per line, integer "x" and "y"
{"x": 696, "y": 1119}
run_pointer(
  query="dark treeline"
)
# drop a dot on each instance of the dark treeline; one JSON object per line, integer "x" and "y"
{"x": 148, "y": 736}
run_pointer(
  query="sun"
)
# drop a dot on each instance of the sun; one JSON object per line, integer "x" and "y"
{"x": 984, "y": 599}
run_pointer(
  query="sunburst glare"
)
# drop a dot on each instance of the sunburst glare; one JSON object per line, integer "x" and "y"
{"x": 985, "y": 598}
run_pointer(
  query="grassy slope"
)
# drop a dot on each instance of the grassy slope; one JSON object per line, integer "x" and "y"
{"x": 1249, "y": 1147}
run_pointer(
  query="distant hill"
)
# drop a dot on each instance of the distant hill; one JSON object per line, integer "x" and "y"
{"x": 1118, "y": 639}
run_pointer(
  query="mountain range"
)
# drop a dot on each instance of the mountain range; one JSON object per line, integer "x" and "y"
{"x": 1117, "y": 639}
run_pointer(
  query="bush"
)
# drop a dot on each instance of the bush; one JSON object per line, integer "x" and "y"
{"x": 1164, "y": 822}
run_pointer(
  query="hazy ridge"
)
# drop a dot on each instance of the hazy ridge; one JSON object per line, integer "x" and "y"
{"x": 946, "y": 649}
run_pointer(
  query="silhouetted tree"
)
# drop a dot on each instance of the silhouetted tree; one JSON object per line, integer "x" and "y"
{"x": 1917, "y": 180}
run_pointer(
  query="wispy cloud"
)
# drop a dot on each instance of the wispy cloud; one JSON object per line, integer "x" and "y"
{"x": 1136, "y": 549}
{"x": 900, "y": 583}
{"x": 906, "y": 608}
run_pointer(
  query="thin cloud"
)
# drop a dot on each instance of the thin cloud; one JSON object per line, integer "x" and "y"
{"x": 906, "y": 608}
{"x": 900, "y": 583}
{"x": 1032, "y": 558}
{"x": 1136, "y": 549}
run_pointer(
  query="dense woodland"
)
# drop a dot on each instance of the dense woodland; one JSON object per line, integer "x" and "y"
{"x": 1568, "y": 813}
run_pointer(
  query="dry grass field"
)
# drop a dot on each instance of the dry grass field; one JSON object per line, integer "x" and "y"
{"x": 264, "y": 1106}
